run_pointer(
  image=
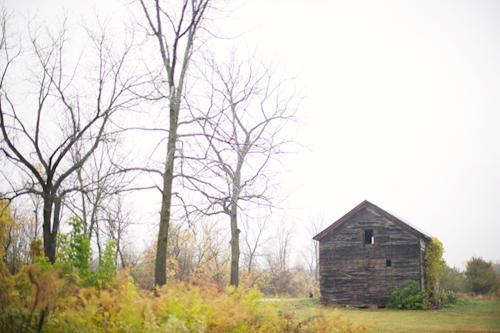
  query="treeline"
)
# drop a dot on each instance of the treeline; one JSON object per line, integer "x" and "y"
{"x": 479, "y": 277}
{"x": 200, "y": 252}
{"x": 204, "y": 252}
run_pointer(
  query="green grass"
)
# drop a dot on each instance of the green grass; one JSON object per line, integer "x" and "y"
{"x": 472, "y": 316}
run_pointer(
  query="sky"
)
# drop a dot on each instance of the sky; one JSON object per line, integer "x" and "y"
{"x": 402, "y": 108}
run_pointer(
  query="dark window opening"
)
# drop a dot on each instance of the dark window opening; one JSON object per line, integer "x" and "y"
{"x": 369, "y": 239}
{"x": 388, "y": 262}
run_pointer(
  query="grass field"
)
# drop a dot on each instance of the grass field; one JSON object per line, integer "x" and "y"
{"x": 472, "y": 316}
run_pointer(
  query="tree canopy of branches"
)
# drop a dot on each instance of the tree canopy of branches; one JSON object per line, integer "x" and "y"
{"x": 57, "y": 100}
{"x": 248, "y": 106}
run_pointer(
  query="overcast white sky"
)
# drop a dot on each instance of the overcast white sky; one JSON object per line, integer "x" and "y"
{"x": 402, "y": 109}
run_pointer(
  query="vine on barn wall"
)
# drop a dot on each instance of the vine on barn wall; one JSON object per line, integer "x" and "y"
{"x": 434, "y": 268}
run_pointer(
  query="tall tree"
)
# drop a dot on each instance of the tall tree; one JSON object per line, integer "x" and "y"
{"x": 175, "y": 26}
{"x": 60, "y": 97}
{"x": 241, "y": 126}
{"x": 314, "y": 225}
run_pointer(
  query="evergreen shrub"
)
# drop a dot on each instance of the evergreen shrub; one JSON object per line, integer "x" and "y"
{"x": 410, "y": 298}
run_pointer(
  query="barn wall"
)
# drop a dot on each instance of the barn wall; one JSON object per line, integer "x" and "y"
{"x": 423, "y": 245}
{"x": 354, "y": 273}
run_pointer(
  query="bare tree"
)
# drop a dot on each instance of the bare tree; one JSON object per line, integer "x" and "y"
{"x": 101, "y": 183}
{"x": 69, "y": 99}
{"x": 313, "y": 225}
{"x": 277, "y": 257}
{"x": 201, "y": 249}
{"x": 175, "y": 32}
{"x": 181, "y": 248}
{"x": 253, "y": 236}
{"x": 241, "y": 126}
{"x": 284, "y": 237}
{"x": 118, "y": 222}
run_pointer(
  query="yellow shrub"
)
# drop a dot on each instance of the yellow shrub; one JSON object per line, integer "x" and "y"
{"x": 198, "y": 306}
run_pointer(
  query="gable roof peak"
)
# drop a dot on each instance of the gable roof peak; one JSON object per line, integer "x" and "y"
{"x": 367, "y": 204}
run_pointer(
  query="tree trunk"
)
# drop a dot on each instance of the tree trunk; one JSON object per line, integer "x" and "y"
{"x": 235, "y": 246}
{"x": 250, "y": 260}
{"x": 48, "y": 242}
{"x": 161, "y": 246}
{"x": 166, "y": 202}
{"x": 235, "y": 232}
{"x": 50, "y": 229}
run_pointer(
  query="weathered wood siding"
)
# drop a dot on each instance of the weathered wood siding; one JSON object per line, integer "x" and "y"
{"x": 357, "y": 274}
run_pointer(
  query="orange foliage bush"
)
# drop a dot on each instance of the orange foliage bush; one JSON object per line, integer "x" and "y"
{"x": 59, "y": 304}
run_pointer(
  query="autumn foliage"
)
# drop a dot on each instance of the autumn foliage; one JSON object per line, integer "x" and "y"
{"x": 48, "y": 301}
{"x": 68, "y": 297}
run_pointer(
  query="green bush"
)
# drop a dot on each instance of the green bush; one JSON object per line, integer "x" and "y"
{"x": 74, "y": 249}
{"x": 75, "y": 254}
{"x": 448, "y": 298}
{"x": 410, "y": 298}
{"x": 481, "y": 277}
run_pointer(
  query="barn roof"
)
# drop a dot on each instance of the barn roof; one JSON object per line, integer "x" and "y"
{"x": 366, "y": 204}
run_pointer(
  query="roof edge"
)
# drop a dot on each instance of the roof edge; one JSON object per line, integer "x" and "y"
{"x": 335, "y": 224}
{"x": 379, "y": 210}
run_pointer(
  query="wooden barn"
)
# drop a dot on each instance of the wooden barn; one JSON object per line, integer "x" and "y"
{"x": 365, "y": 251}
